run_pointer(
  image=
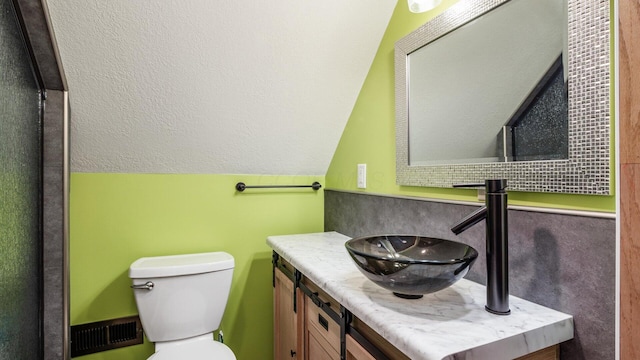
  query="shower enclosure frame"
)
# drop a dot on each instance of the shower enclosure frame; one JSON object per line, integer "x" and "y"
{"x": 40, "y": 41}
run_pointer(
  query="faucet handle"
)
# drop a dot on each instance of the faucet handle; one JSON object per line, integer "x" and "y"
{"x": 491, "y": 185}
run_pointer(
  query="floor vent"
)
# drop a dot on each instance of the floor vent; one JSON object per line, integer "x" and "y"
{"x": 105, "y": 335}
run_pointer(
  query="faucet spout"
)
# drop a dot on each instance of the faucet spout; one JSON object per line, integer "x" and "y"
{"x": 495, "y": 214}
{"x": 473, "y": 218}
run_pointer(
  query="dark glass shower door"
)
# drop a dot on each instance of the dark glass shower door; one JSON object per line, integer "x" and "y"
{"x": 20, "y": 199}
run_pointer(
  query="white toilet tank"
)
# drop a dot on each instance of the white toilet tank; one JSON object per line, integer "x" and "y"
{"x": 188, "y": 293}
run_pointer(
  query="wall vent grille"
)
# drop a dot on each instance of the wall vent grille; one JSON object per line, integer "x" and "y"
{"x": 105, "y": 335}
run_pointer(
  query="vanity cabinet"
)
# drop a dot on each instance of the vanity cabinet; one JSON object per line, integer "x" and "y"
{"x": 311, "y": 325}
{"x": 307, "y": 323}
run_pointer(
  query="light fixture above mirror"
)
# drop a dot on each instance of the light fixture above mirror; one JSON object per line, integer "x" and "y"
{"x": 418, "y": 6}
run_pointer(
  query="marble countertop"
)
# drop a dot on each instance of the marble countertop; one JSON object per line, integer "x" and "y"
{"x": 450, "y": 324}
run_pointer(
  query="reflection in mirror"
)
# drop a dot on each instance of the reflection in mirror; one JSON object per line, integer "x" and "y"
{"x": 474, "y": 123}
{"x": 497, "y": 85}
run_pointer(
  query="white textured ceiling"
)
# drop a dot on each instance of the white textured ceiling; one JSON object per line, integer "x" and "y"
{"x": 213, "y": 86}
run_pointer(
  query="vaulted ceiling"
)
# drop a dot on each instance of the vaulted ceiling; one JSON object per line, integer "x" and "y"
{"x": 212, "y": 86}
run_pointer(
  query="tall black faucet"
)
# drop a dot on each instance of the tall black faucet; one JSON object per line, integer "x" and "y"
{"x": 495, "y": 213}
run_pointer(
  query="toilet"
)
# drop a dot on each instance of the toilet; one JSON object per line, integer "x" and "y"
{"x": 181, "y": 299}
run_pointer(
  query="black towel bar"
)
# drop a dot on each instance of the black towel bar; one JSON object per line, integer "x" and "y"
{"x": 242, "y": 186}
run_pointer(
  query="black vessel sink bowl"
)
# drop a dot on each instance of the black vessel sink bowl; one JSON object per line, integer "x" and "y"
{"x": 410, "y": 265}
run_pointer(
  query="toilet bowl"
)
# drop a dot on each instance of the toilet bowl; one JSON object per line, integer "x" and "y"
{"x": 201, "y": 348}
{"x": 181, "y": 299}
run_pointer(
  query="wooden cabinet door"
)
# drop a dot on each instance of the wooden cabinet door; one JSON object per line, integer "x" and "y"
{"x": 285, "y": 322}
{"x": 318, "y": 348}
{"x": 355, "y": 351}
{"x": 321, "y": 332}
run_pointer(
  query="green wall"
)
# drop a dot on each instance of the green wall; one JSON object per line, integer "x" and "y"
{"x": 369, "y": 136}
{"x": 117, "y": 218}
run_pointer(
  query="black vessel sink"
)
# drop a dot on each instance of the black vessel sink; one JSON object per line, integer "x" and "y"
{"x": 410, "y": 265}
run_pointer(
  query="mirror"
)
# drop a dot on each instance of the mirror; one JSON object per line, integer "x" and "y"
{"x": 490, "y": 84}
{"x": 488, "y": 89}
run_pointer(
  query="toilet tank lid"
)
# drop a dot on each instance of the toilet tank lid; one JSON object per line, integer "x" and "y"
{"x": 175, "y": 265}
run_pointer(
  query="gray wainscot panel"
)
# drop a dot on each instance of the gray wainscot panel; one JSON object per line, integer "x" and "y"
{"x": 564, "y": 262}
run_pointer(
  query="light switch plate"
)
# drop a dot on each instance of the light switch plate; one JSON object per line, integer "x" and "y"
{"x": 362, "y": 176}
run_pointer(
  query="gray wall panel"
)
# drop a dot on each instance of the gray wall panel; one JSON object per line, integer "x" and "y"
{"x": 564, "y": 262}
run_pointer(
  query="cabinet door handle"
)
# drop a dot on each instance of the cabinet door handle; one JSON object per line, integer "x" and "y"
{"x": 293, "y": 353}
{"x": 323, "y": 322}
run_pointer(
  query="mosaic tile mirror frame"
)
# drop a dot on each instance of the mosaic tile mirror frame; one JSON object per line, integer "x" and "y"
{"x": 587, "y": 169}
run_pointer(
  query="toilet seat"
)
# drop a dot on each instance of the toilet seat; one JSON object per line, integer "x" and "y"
{"x": 195, "y": 350}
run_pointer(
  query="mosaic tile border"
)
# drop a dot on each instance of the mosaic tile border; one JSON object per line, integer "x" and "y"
{"x": 587, "y": 171}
